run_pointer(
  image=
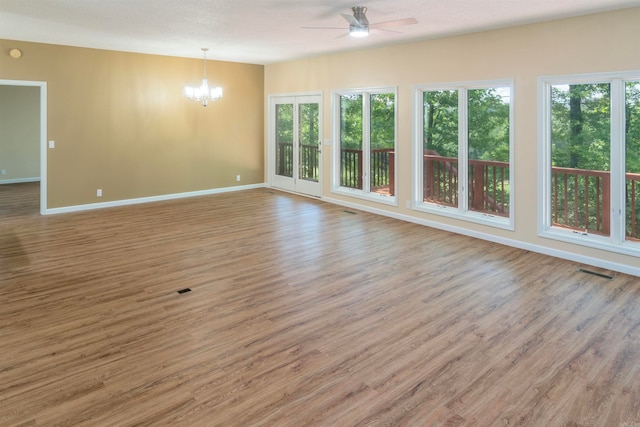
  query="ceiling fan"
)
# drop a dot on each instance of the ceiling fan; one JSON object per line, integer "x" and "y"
{"x": 359, "y": 25}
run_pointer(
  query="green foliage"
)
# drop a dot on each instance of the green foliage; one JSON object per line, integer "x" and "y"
{"x": 382, "y": 120}
{"x": 441, "y": 122}
{"x": 488, "y": 124}
{"x": 308, "y": 126}
{"x": 580, "y": 126}
{"x": 284, "y": 123}
{"x": 632, "y": 126}
{"x": 351, "y": 121}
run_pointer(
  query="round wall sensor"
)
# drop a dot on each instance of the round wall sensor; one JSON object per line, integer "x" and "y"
{"x": 15, "y": 53}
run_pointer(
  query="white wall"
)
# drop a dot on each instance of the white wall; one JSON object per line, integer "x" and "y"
{"x": 19, "y": 133}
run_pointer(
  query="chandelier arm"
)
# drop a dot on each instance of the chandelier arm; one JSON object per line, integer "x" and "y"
{"x": 204, "y": 49}
{"x": 204, "y": 93}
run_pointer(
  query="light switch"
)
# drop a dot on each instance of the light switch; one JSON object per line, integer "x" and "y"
{"x": 52, "y": 144}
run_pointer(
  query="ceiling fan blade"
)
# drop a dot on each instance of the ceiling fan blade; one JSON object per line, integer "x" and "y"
{"x": 323, "y": 28}
{"x": 391, "y": 24}
{"x": 388, "y": 31}
{"x": 351, "y": 20}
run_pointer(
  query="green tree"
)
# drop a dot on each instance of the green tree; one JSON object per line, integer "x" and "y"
{"x": 441, "y": 122}
{"x": 382, "y": 120}
{"x": 308, "y": 124}
{"x": 632, "y": 126}
{"x": 351, "y": 121}
{"x": 580, "y": 130}
{"x": 488, "y": 124}
{"x": 284, "y": 123}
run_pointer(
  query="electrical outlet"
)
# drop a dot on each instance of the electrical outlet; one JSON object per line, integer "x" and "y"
{"x": 99, "y": 192}
{"x": 408, "y": 204}
{"x": 3, "y": 172}
{"x": 238, "y": 178}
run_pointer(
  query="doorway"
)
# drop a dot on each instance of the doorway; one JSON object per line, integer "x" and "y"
{"x": 295, "y": 143}
{"x": 42, "y": 107}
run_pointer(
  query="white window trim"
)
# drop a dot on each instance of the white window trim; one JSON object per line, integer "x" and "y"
{"x": 461, "y": 212}
{"x": 365, "y": 193}
{"x": 616, "y": 241}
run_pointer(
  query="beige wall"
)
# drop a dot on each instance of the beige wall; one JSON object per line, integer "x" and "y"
{"x": 121, "y": 123}
{"x": 596, "y": 43}
{"x": 19, "y": 132}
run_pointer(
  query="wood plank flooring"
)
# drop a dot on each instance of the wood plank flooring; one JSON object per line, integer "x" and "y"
{"x": 300, "y": 314}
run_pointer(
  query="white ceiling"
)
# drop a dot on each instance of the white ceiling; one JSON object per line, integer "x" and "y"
{"x": 263, "y": 31}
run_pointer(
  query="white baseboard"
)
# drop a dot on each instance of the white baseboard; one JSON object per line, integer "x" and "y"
{"x": 19, "y": 180}
{"x": 163, "y": 197}
{"x": 596, "y": 262}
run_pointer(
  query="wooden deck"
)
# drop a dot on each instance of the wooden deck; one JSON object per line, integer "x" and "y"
{"x": 300, "y": 314}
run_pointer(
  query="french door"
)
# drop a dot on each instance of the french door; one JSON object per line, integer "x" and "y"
{"x": 295, "y": 138}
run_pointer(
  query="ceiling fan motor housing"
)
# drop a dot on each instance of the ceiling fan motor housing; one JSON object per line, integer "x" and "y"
{"x": 359, "y": 14}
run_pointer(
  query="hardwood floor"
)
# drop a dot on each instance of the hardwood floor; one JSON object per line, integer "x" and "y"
{"x": 301, "y": 313}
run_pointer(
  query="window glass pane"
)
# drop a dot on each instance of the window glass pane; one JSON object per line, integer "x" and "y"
{"x": 284, "y": 139}
{"x": 440, "y": 147}
{"x": 309, "y": 140}
{"x": 632, "y": 140}
{"x": 580, "y": 156}
{"x": 488, "y": 146}
{"x": 351, "y": 141}
{"x": 382, "y": 140}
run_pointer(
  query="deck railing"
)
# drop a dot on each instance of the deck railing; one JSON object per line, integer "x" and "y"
{"x": 580, "y": 197}
{"x": 284, "y": 159}
{"x": 308, "y": 164}
{"x": 381, "y": 174}
{"x": 488, "y": 184}
{"x": 633, "y": 205}
{"x": 581, "y": 201}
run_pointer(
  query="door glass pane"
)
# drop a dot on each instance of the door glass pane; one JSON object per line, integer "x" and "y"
{"x": 488, "y": 139}
{"x": 309, "y": 140}
{"x": 382, "y": 140}
{"x": 351, "y": 141}
{"x": 284, "y": 140}
{"x": 580, "y": 147}
{"x": 632, "y": 141}
{"x": 440, "y": 147}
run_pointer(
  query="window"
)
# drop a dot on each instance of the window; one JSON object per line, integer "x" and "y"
{"x": 365, "y": 127}
{"x": 463, "y": 151}
{"x": 590, "y": 160}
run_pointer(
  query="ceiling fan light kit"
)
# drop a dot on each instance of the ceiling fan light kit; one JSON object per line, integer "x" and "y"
{"x": 358, "y": 31}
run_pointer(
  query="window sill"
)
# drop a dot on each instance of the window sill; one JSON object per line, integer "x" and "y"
{"x": 373, "y": 197}
{"x": 592, "y": 241}
{"x": 469, "y": 216}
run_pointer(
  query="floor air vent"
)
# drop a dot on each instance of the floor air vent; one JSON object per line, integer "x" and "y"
{"x": 349, "y": 212}
{"x": 595, "y": 273}
{"x": 184, "y": 291}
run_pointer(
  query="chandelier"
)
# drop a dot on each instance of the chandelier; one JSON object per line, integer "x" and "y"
{"x": 203, "y": 93}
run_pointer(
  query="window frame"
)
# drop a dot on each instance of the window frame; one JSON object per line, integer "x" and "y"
{"x": 462, "y": 211}
{"x": 364, "y": 193}
{"x": 616, "y": 241}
